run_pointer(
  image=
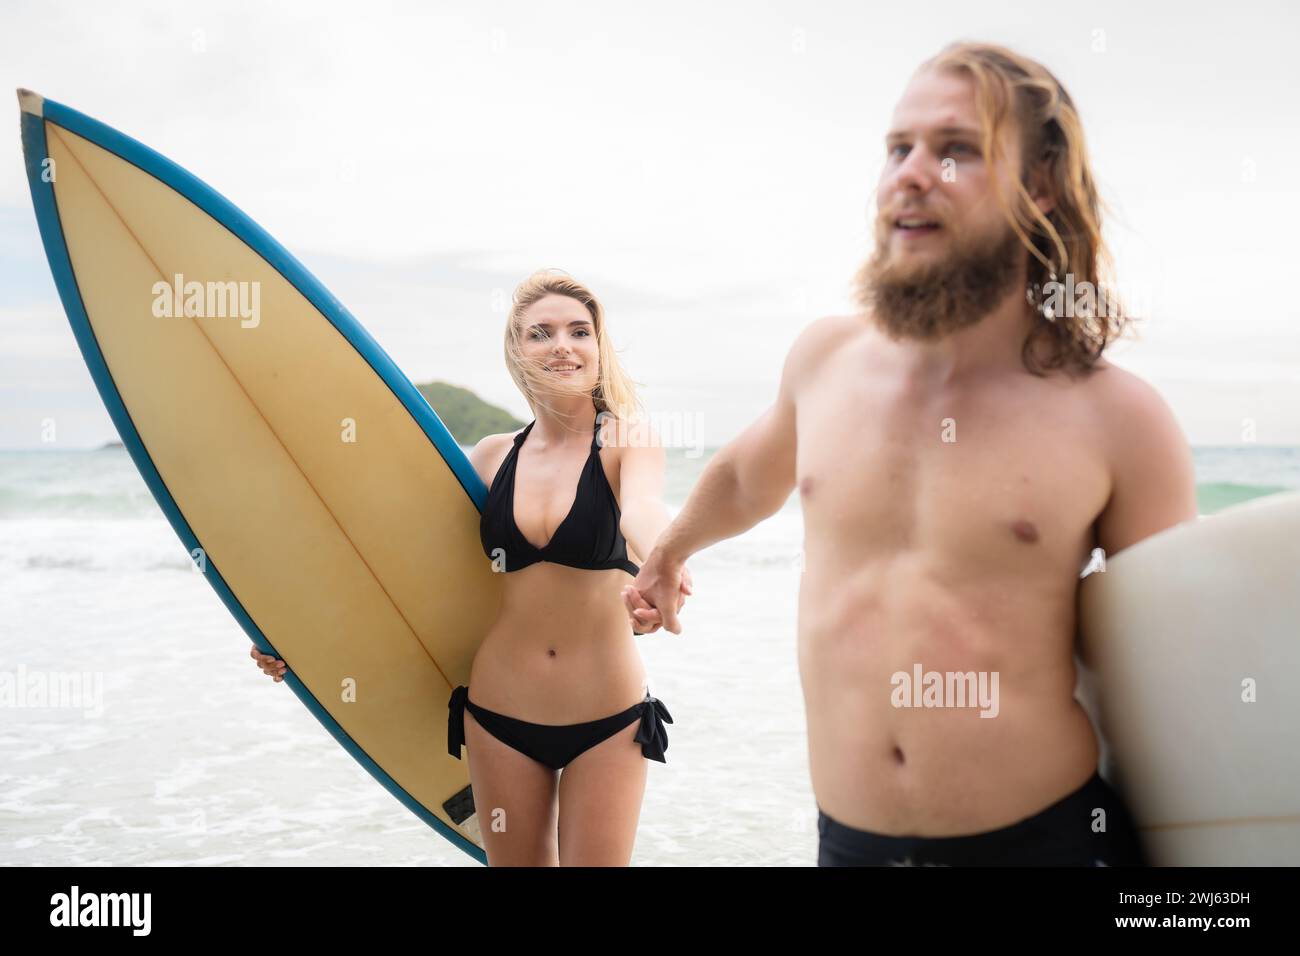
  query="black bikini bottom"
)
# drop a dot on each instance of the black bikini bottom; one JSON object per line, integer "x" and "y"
{"x": 556, "y": 745}
{"x": 1068, "y": 833}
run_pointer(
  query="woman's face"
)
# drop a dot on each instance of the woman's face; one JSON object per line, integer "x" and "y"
{"x": 558, "y": 334}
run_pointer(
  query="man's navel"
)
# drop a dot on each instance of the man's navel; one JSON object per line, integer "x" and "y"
{"x": 1025, "y": 530}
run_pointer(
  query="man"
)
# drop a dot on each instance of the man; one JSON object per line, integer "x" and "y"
{"x": 960, "y": 448}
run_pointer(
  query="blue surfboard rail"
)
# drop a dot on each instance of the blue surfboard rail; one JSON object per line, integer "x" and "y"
{"x": 229, "y": 216}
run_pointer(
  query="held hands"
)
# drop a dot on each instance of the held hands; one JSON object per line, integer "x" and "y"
{"x": 654, "y": 599}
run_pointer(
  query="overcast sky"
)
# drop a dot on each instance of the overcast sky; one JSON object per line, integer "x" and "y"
{"x": 706, "y": 167}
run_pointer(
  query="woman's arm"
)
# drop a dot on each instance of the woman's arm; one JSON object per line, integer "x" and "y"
{"x": 641, "y": 490}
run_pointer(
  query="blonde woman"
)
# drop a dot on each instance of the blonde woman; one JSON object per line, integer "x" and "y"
{"x": 557, "y": 719}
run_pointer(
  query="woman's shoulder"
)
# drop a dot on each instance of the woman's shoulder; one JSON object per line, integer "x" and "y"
{"x": 488, "y": 453}
{"x": 635, "y": 443}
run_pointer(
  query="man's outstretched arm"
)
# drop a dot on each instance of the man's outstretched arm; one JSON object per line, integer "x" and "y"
{"x": 749, "y": 479}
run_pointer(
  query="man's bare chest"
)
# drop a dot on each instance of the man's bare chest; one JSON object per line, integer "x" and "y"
{"x": 1008, "y": 472}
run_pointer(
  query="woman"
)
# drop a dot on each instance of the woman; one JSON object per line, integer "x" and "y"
{"x": 557, "y": 719}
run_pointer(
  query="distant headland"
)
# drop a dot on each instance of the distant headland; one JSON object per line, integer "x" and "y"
{"x": 467, "y": 416}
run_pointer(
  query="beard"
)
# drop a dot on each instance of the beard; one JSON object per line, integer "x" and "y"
{"x": 938, "y": 298}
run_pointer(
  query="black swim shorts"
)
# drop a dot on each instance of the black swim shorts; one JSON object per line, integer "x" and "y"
{"x": 1068, "y": 833}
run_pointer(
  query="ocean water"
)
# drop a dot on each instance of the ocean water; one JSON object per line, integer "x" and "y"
{"x": 179, "y": 750}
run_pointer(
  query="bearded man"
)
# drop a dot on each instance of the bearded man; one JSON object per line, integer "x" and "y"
{"x": 960, "y": 448}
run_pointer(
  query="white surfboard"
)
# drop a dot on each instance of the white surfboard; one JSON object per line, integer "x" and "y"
{"x": 1192, "y": 638}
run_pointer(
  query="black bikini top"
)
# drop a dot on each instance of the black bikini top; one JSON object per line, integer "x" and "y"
{"x": 588, "y": 537}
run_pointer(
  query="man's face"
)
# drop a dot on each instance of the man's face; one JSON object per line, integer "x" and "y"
{"x": 935, "y": 170}
{"x": 945, "y": 254}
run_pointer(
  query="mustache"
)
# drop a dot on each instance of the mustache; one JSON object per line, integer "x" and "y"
{"x": 901, "y": 210}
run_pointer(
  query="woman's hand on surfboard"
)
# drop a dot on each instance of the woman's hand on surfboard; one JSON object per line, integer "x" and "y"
{"x": 271, "y": 665}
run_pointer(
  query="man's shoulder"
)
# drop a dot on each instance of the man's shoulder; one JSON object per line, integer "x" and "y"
{"x": 825, "y": 336}
{"x": 831, "y": 329}
{"x": 1119, "y": 395}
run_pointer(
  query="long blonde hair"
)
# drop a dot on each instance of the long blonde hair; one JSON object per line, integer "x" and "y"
{"x": 1066, "y": 240}
{"x": 614, "y": 392}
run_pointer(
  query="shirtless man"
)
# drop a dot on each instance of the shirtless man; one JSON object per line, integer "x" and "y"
{"x": 960, "y": 448}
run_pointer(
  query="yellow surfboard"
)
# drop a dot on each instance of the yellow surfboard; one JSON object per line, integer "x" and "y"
{"x": 312, "y": 484}
{"x": 1192, "y": 641}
